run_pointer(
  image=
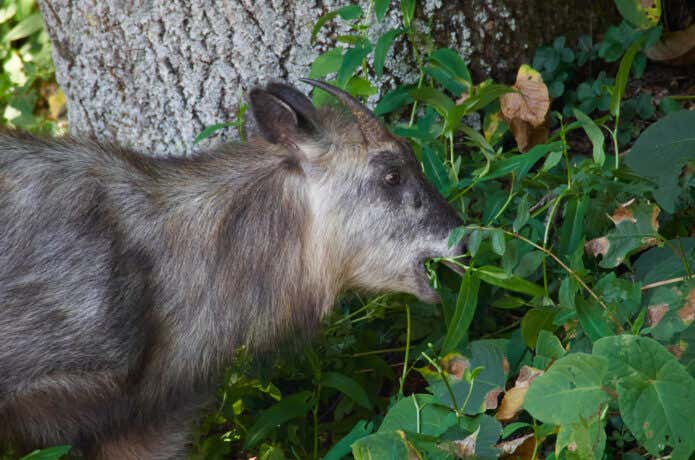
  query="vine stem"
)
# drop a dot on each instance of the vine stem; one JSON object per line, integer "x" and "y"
{"x": 407, "y": 350}
{"x": 564, "y": 266}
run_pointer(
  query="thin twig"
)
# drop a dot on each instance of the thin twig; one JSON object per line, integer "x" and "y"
{"x": 657, "y": 284}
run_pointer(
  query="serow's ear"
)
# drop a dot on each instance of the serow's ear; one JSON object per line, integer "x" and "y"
{"x": 281, "y": 120}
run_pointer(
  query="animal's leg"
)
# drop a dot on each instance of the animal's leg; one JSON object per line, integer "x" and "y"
{"x": 164, "y": 441}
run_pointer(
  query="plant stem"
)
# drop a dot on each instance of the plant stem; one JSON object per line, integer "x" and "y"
{"x": 657, "y": 284}
{"x": 316, "y": 422}
{"x": 546, "y": 234}
{"x": 407, "y": 351}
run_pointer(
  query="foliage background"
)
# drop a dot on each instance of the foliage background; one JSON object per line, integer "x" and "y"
{"x": 571, "y": 333}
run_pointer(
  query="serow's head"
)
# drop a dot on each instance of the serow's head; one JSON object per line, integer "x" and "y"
{"x": 375, "y": 219}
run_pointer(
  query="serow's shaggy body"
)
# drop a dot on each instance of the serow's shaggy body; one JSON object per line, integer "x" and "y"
{"x": 127, "y": 281}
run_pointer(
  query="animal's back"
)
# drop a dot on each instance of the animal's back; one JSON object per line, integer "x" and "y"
{"x": 73, "y": 293}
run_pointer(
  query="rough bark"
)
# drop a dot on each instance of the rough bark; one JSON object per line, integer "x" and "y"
{"x": 152, "y": 74}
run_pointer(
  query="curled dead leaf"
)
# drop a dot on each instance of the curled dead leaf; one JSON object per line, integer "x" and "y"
{"x": 456, "y": 365}
{"x": 519, "y": 448}
{"x": 675, "y": 48}
{"x": 465, "y": 448}
{"x": 597, "y": 246}
{"x": 514, "y": 397}
{"x": 492, "y": 398}
{"x": 526, "y": 110}
{"x": 623, "y": 212}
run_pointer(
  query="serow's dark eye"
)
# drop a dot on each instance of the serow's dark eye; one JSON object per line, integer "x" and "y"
{"x": 392, "y": 178}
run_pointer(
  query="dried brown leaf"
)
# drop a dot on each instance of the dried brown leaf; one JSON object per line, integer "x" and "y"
{"x": 518, "y": 446}
{"x": 675, "y": 48}
{"x": 526, "y": 110}
{"x": 514, "y": 397}
{"x": 597, "y": 246}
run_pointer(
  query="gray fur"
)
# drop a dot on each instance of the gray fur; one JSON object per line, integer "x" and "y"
{"x": 127, "y": 281}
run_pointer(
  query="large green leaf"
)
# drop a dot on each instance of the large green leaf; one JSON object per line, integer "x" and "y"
{"x": 418, "y": 413}
{"x": 636, "y": 227}
{"x": 662, "y": 151}
{"x": 436, "y": 171}
{"x": 570, "y": 391}
{"x": 584, "y": 440}
{"x": 671, "y": 309}
{"x": 384, "y": 446}
{"x": 655, "y": 392}
{"x": 667, "y": 262}
{"x": 296, "y": 405}
{"x": 342, "y": 447}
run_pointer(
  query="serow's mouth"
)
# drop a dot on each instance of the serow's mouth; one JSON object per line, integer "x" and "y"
{"x": 427, "y": 276}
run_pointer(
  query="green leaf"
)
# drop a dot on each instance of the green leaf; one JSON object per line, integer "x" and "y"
{"x": 425, "y": 417}
{"x": 436, "y": 171}
{"x": 7, "y": 12}
{"x": 496, "y": 276}
{"x": 548, "y": 349}
{"x": 572, "y": 229}
{"x": 640, "y": 14}
{"x": 212, "y": 129}
{"x": 529, "y": 263}
{"x": 570, "y": 391}
{"x": 583, "y": 440}
{"x": 25, "y": 28}
{"x": 533, "y": 322}
{"x": 342, "y": 447}
{"x": 623, "y": 75}
{"x": 655, "y": 392}
{"x": 466, "y": 304}
{"x": 327, "y": 63}
{"x": 456, "y": 236}
{"x": 434, "y": 98}
{"x": 382, "y": 48}
{"x": 352, "y": 60}
{"x": 393, "y": 100}
{"x": 595, "y": 135}
{"x": 451, "y": 62}
{"x": 662, "y": 151}
{"x": 296, "y": 405}
{"x": 360, "y": 87}
{"x": 552, "y": 160}
{"x": 636, "y": 227}
{"x": 658, "y": 264}
{"x": 408, "y": 10}
{"x": 348, "y": 386}
{"x": 498, "y": 242}
{"x": 386, "y": 446}
{"x": 520, "y": 165}
{"x": 52, "y": 453}
{"x": 380, "y": 8}
{"x": 671, "y": 310}
{"x": 475, "y": 240}
{"x": 350, "y": 12}
{"x": 523, "y": 214}
{"x": 592, "y": 318}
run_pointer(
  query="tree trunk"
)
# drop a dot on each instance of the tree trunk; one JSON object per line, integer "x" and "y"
{"x": 151, "y": 74}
